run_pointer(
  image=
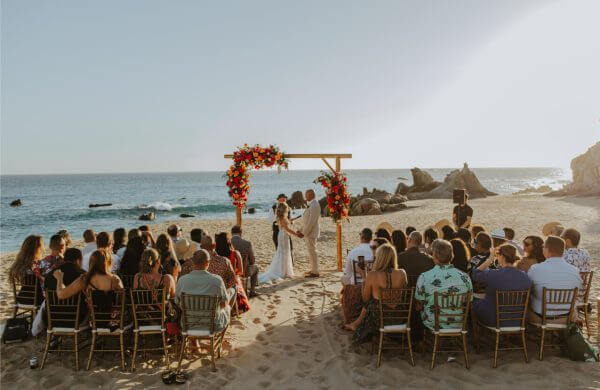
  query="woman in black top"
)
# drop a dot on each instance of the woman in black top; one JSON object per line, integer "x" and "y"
{"x": 461, "y": 255}
{"x": 118, "y": 239}
{"x": 130, "y": 264}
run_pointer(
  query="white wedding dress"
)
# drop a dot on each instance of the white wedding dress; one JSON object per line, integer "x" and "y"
{"x": 281, "y": 266}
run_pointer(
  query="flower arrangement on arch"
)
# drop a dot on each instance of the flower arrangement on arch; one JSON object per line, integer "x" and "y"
{"x": 336, "y": 191}
{"x": 245, "y": 158}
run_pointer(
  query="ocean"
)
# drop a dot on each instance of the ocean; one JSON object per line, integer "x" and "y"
{"x": 54, "y": 202}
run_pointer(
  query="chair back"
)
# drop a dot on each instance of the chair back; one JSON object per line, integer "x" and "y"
{"x": 395, "y": 306}
{"x": 148, "y": 307}
{"x": 107, "y": 311}
{"x": 27, "y": 290}
{"x": 62, "y": 313}
{"x": 558, "y": 302}
{"x": 127, "y": 281}
{"x": 583, "y": 295}
{"x": 451, "y": 310}
{"x": 358, "y": 279}
{"x": 412, "y": 280}
{"x": 199, "y": 311}
{"x": 511, "y": 308}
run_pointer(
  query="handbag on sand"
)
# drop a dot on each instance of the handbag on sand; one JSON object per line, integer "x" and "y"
{"x": 579, "y": 348}
{"x": 15, "y": 330}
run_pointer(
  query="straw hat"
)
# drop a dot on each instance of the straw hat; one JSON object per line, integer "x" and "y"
{"x": 386, "y": 226}
{"x": 440, "y": 224}
{"x": 184, "y": 249}
{"x": 548, "y": 228}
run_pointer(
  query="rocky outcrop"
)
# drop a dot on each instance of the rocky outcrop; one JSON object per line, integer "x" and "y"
{"x": 297, "y": 201}
{"x": 148, "y": 216}
{"x": 366, "y": 206}
{"x": 422, "y": 182}
{"x": 457, "y": 179}
{"x": 586, "y": 175}
{"x": 93, "y": 205}
{"x": 251, "y": 210}
{"x": 16, "y": 203}
{"x": 534, "y": 190}
{"x": 186, "y": 215}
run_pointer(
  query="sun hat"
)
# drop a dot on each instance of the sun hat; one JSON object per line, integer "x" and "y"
{"x": 440, "y": 224}
{"x": 184, "y": 249}
{"x": 548, "y": 228}
{"x": 385, "y": 226}
{"x": 498, "y": 233}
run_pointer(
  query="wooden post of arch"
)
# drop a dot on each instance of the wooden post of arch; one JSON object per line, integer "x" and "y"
{"x": 338, "y": 167}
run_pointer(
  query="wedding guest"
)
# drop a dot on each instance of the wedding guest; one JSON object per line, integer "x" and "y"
{"x": 119, "y": 240}
{"x": 130, "y": 264}
{"x": 196, "y": 236}
{"x": 99, "y": 278}
{"x": 351, "y": 292}
{"x": 413, "y": 261}
{"x": 507, "y": 278}
{"x": 377, "y": 242}
{"x": 554, "y": 272}
{"x": 224, "y": 247}
{"x": 53, "y": 260}
{"x": 184, "y": 250}
{"x": 168, "y": 259}
{"x": 534, "y": 252}
{"x": 399, "y": 241}
{"x": 430, "y": 235}
{"x": 150, "y": 277}
{"x": 465, "y": 235}
{"x": 148, "y": 239}
{"x": 498, "y": 237}
{"x": 383, "y": 233}
{"x": 89, "y": 237}
{"x": 385, "y": 274}
{"x": 71, "y": 271}
{"x": 509, "y": 233}
{"x": 144, "y": 228}
{"x": 448, "y": 232}
{"x": 135, "y": 232}
{"x": 66, "y": 236}
{"x": 409, "y": 229}
{"x": 578, "y": 257}
{"x": 442, "y": 278}
{"x": 25, "y": 262}
{"x": 175, "y": 232}
{"x": 483, "y": 245}
{"x": 476, "y": 229}
{"x": 246, "y": 249}
{"x": 200, "y": 281}
{"x": 461, "y": 255}
{"x": 103, "y": 242}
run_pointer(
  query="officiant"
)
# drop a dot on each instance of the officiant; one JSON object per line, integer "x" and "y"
{"x": 281, "y": 198}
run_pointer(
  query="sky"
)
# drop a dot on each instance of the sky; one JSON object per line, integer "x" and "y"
{"x": 156, "y": 86}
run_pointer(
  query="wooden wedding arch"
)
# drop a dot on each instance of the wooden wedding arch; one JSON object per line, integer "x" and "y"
{"x": 338, "y": 165}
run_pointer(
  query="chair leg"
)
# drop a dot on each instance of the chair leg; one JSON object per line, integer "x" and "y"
{"x": 380, "y": 348}
{"x": 76, "y": 352}
{"x": 410, "y": 351}
{"x": 524, "y": 346}
{"x": 92, "y": 346}
{"x": 135, "y": 347}
{"x": 48, "y": 338}
{"x": 164, "y": 339}
{"x": 435, "y": 344}
{"x": 496, "y": 350}
{"x": 212, "y": 353}
{"x": 585, "y": 318}
{"x": 122, "y": 347}
{"x": 476, "y": 336}
{"x": 541, "y": 355}
{"x": 465, "y": 350}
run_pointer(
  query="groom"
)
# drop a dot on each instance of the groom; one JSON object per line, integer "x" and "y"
{"x": 310, "y": 232}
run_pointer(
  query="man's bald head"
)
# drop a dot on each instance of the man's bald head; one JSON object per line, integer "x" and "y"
{"x": 415, "y": 238}
{"x": 207, "y": 243}
{"x": 201, "y": 259}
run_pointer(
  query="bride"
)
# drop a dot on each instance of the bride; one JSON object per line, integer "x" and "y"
{"x": 281, "y": 265}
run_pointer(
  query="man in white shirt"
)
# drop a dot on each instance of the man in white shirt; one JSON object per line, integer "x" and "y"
{"x": 310, "y": 232}
{"x": 103, "y": 242}
{"x": 89, "y": 237}
{"x": 174, "y": 232}
{"x": 363, "y": 249}
{"x": 554, "y": 272}
{"x": 577, "y": 257}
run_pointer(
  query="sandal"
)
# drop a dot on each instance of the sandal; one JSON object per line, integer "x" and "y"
{"x": 168, "y": 377}
{"x": 180, "y": 378}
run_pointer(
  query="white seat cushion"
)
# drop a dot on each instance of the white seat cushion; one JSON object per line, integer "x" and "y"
{"x": 505, "y": 328}
{"x": 447, "y": 331}
{"x": 198, "y": 333}
{"x": 57, "y": 329}
{"x": 548, "y": 326}
{"x": 108, "y": 331}
{"x": 28, "y": 307}
{"x": 149, "y": 328}
{"x": 394, "y": 328}
{"x": 479, "y": 295}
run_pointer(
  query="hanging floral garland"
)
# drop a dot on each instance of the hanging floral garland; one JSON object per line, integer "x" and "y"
{"x": 338, "y": 198}
{"x": 245, "y": 158}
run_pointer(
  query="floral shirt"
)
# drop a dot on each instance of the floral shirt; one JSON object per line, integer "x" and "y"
{"x": 443, "y": 279}
{"x": 579, "y": 258}
{"x": 47, "y": 264}
{"x": 218, "y": 265}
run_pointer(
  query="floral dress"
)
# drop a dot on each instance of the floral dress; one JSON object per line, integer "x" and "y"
{"x": 242, "y": 299}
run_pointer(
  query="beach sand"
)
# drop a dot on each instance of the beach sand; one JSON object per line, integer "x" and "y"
{"x": 290, "y": 338}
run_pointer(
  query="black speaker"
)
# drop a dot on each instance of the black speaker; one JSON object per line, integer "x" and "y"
{"x": 458, "y": 196}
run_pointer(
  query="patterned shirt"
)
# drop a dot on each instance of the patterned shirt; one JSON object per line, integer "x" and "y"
{"x": 579, "y": 258}
{"x": 218, "y": 265}
{"x": 443, "y": 278}
{"x": 47, "y": 264}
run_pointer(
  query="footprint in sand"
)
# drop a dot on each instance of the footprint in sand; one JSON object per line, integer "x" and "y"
{"x": 256, "y": 320}
{"x": 271, "y": 307}
{"x": 268, "y": 355}
{"x": 260, "y": 337}
{"x": 264, "y": 384}
{"x": 263, "y": 369}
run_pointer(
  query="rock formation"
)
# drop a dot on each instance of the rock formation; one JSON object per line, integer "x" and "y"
{"x": 422, "y": 182}
{"x": 297, "y": 201}
{"x": 93, "y": 205}
{"x": 148, "y": 216}
{"x": 534, "y": 190}
{"x": 186, "y": 215}
{"x": 366, "y": 206}
{"x": 586, "y": 175}
{"x": 251, "y": 210}
{"x": 16, "y": 203}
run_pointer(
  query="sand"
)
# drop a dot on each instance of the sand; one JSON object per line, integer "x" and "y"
{"x": 290, "y": 338}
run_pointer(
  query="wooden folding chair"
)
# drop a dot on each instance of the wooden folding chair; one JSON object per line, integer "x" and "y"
{"x": 358, "y": 279}
{"x": 148, "y": 307}
{"x": 245, "y": 276}
{"x": 511, "y": 308}
{"x": 452, "y": 310}
{"x": 583, "y": 298}
{"x": 108, "y": 322}
{"x": 412, "y": 280}
{"x": 198, "y": 321}
{"x": 63, "y": 321}
{"x": 551, "y": 299}
{"x": 27, "y": 295}
{"x": 395, "y": 309}
{"x": 127, "y": 281}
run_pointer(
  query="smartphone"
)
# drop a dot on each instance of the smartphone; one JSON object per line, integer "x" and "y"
{"x": 361, "y": 262}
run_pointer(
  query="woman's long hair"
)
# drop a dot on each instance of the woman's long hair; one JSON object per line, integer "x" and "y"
{"x": 448, "y": 233}
{"x": 100, "y": 263}
{"x": 130, "y": 264}
{"x": 462, "y": 254}
{"x": 148, "y": 261}
{"x": 223, "y": 244}
{"x": 538, "y": 248}
{"x": 281, "y": 211}
{"x": 385, "y": 258}
{"x": 383, "y": 233}
{"x": 399, "y": 240}
{"x": 118, "y": 239}
{"x": 164, "y": 246}
{"x": 31, "y": 250}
